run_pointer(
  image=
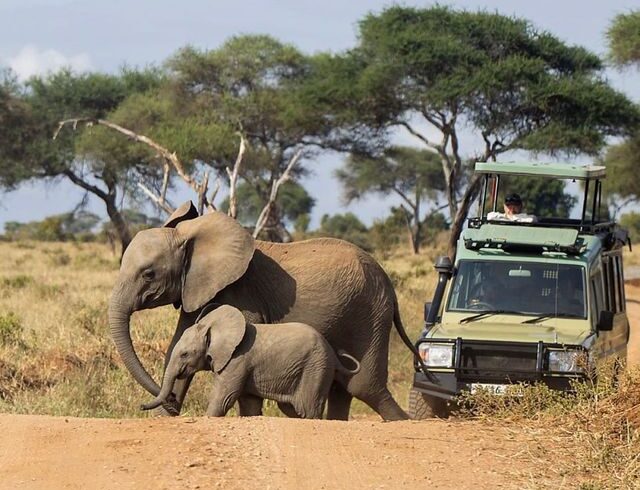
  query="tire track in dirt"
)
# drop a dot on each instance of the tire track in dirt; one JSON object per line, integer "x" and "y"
{"x": 39, "y": 452}
{"x": 309, "y": 455}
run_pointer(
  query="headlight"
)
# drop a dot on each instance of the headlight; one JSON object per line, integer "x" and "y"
{"x": 436, "y": 355}
{"x": 566, "y": 361}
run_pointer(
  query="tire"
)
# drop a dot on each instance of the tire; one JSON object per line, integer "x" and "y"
{"x": 423, "y": 406}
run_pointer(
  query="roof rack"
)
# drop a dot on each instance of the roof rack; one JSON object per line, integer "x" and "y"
{"x": 517, "y": 238}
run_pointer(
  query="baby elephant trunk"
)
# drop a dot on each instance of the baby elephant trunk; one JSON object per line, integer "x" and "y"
{"x": 165, "y": 391}
{"x": 342, "y": 369}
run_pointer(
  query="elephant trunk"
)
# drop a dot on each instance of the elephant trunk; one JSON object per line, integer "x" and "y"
{"x": 119, "y": 316}
{"x": 168, "y": 381}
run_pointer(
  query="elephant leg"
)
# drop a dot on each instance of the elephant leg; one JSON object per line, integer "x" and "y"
{"x": 384, "y": 404}
{"x": 249, "y": 406}
{"x": 370, "y": 386}
{"x": 221, "y": 400}
{"x": 181, "y": 386}
{"x": 174, "y": 403}
{"x": 339, "y": 402}
{"x": 288, "y": 410}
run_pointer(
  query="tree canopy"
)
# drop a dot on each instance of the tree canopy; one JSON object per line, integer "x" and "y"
{"x": 100, "y": 166}
{"x": 516, "y": 87}
{"x": 624, "y": 39}
{"x": 252, "y": 84}
{"x": 413, "y": 174}
{"x": 17, "y": 128}
{"x": 432, "y": 74}
{"x": 623, "y": 160}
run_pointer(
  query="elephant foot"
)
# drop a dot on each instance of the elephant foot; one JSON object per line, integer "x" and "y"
{"x": 338, "y": 403}
{"x": 170, "y": 408}
{"x": 249, "y": 406}
{"x": 386, "y": 406}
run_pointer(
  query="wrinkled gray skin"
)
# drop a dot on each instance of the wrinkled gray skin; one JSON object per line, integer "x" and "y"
{"x": 290, "y": 363}
{"x": 330, "y": 284}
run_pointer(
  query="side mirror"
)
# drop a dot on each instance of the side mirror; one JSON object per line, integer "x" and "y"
{"x": 427, "y": 307}
{"x": 605, "y": 322}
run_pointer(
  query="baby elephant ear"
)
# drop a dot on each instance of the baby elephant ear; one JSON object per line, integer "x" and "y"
{"x": 227, "y": 327}
{"x": 184, "y": 212}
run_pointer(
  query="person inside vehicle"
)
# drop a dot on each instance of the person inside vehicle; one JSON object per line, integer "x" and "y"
{"x": 512, "y": 211}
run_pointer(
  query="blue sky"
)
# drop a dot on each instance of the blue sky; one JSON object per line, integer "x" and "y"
{"x": 41, "y": 35}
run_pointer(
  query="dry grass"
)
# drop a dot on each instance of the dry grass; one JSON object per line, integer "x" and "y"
{"x": 589, "y": 439}
{"x": 56, "y": 356}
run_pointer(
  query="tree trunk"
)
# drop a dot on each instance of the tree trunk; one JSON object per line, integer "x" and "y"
{"x": 461, "y": 215}
{"x": 417, "y": 237}
{"x": 119, "y": 224}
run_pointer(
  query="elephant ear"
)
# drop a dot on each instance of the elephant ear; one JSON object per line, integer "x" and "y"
{"x": 227, "y": 327}
{"x": 218, "y": 253}
{"x": 185, "y": 212}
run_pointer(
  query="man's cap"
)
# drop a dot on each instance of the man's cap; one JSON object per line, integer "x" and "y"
{"x": 512, "y": 199}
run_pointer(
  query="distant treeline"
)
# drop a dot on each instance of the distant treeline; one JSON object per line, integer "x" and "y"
{"x": 82, "y": 226}
{"x": 253, "y": 114}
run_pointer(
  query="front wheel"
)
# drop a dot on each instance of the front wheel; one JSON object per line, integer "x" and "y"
{"x": 422, "y": 406}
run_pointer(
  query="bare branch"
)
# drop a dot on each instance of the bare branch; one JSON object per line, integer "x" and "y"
{"x": 431, "y": 146}
{"x": 159, "y": 200}
{"x": 202, "y": 194}
{"x": 264, "y": 214}
{"x": 233, "y": 179}
{"x": 216, "y": 189}
{"x": 165, "y": 182}
{"x": 169, "y": 157}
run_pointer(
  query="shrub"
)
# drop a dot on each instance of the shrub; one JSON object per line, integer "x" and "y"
{"x": 10, "y": 329}
{"x": 17, "y": 282}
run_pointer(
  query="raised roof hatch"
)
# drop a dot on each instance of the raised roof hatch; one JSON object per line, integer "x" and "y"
{"x": 536, "y": 169}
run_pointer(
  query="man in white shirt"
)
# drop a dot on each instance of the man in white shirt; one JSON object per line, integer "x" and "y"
{"x": 512, "y": 211}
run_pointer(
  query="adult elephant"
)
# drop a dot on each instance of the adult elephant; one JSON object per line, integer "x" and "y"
{"x": 327, "y": 283}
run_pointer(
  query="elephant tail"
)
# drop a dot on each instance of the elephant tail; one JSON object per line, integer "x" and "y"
{"x": 405, "y": 338}
{"x": 340, "y": 367}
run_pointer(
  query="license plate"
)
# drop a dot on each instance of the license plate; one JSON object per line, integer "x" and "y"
{"x": 489, "y": 388}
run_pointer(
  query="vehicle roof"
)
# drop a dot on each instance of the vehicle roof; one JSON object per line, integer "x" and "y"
{"x": 538, "y": 169}
{"x": 534, "y": 236}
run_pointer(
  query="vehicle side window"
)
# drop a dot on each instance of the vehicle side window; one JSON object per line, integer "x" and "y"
{"x": 612, "y": 284}
{"x": 598, "y": 298}
{"x": 620, "y": 280}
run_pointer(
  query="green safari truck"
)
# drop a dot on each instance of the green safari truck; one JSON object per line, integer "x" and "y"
{"x": 524, "y": 302}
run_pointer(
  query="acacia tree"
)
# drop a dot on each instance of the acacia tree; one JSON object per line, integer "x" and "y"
{"x": 624, "y": 39}
{"x": 253, "y": 84}
{"x": 102, "y": 170}
{"x": 623, "y": 160}
{"x": 293, "y": 204}
{"x": 412, "y": 174}
{"x": 16, "y": 133}
{"x": 432, "y": 72}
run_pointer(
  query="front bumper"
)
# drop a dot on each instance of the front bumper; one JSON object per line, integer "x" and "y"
{"x": 492, "y": 362}
{"x": 447, "y": 386}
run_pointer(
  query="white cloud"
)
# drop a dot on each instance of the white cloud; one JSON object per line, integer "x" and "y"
{"x": 33, "y": 61}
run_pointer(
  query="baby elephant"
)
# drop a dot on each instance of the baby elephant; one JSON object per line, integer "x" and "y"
{"x": 290, "y": 363}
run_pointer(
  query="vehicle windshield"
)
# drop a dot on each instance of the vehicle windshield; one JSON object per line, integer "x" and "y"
{"x": 528, "y": 288}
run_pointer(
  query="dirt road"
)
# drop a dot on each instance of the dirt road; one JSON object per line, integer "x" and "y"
{"x": 269, "y": 453}
{"x": 39, "y": 452}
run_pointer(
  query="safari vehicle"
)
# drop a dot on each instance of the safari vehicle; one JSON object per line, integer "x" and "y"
{"x": 533, "y": 302}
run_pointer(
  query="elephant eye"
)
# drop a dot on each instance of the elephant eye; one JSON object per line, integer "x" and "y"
{"x": 184, "y": 355}
{"x": 148, "y": 274}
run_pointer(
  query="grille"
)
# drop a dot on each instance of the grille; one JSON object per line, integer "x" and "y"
{"x": 483, "y": 363}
